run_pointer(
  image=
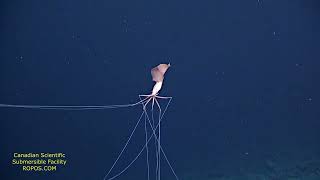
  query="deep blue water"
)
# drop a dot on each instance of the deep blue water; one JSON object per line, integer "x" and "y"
{"x": 244, "y": 81}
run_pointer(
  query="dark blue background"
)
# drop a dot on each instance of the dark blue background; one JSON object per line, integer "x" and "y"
{"x": 244, "y": 81}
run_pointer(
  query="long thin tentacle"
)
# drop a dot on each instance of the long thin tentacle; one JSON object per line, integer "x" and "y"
{"x": 124, "y": 147}
{"x": 142, "y": 149}
{"x": 71, "y": 107}
{"x": 147, "y": 149}
{"x": 155, "y": 139}
{"x": 154, "y": 134}
{"x": 159, "y": 140}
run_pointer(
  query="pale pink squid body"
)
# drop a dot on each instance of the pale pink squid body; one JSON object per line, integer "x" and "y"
{"x": 158, "y": 76}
